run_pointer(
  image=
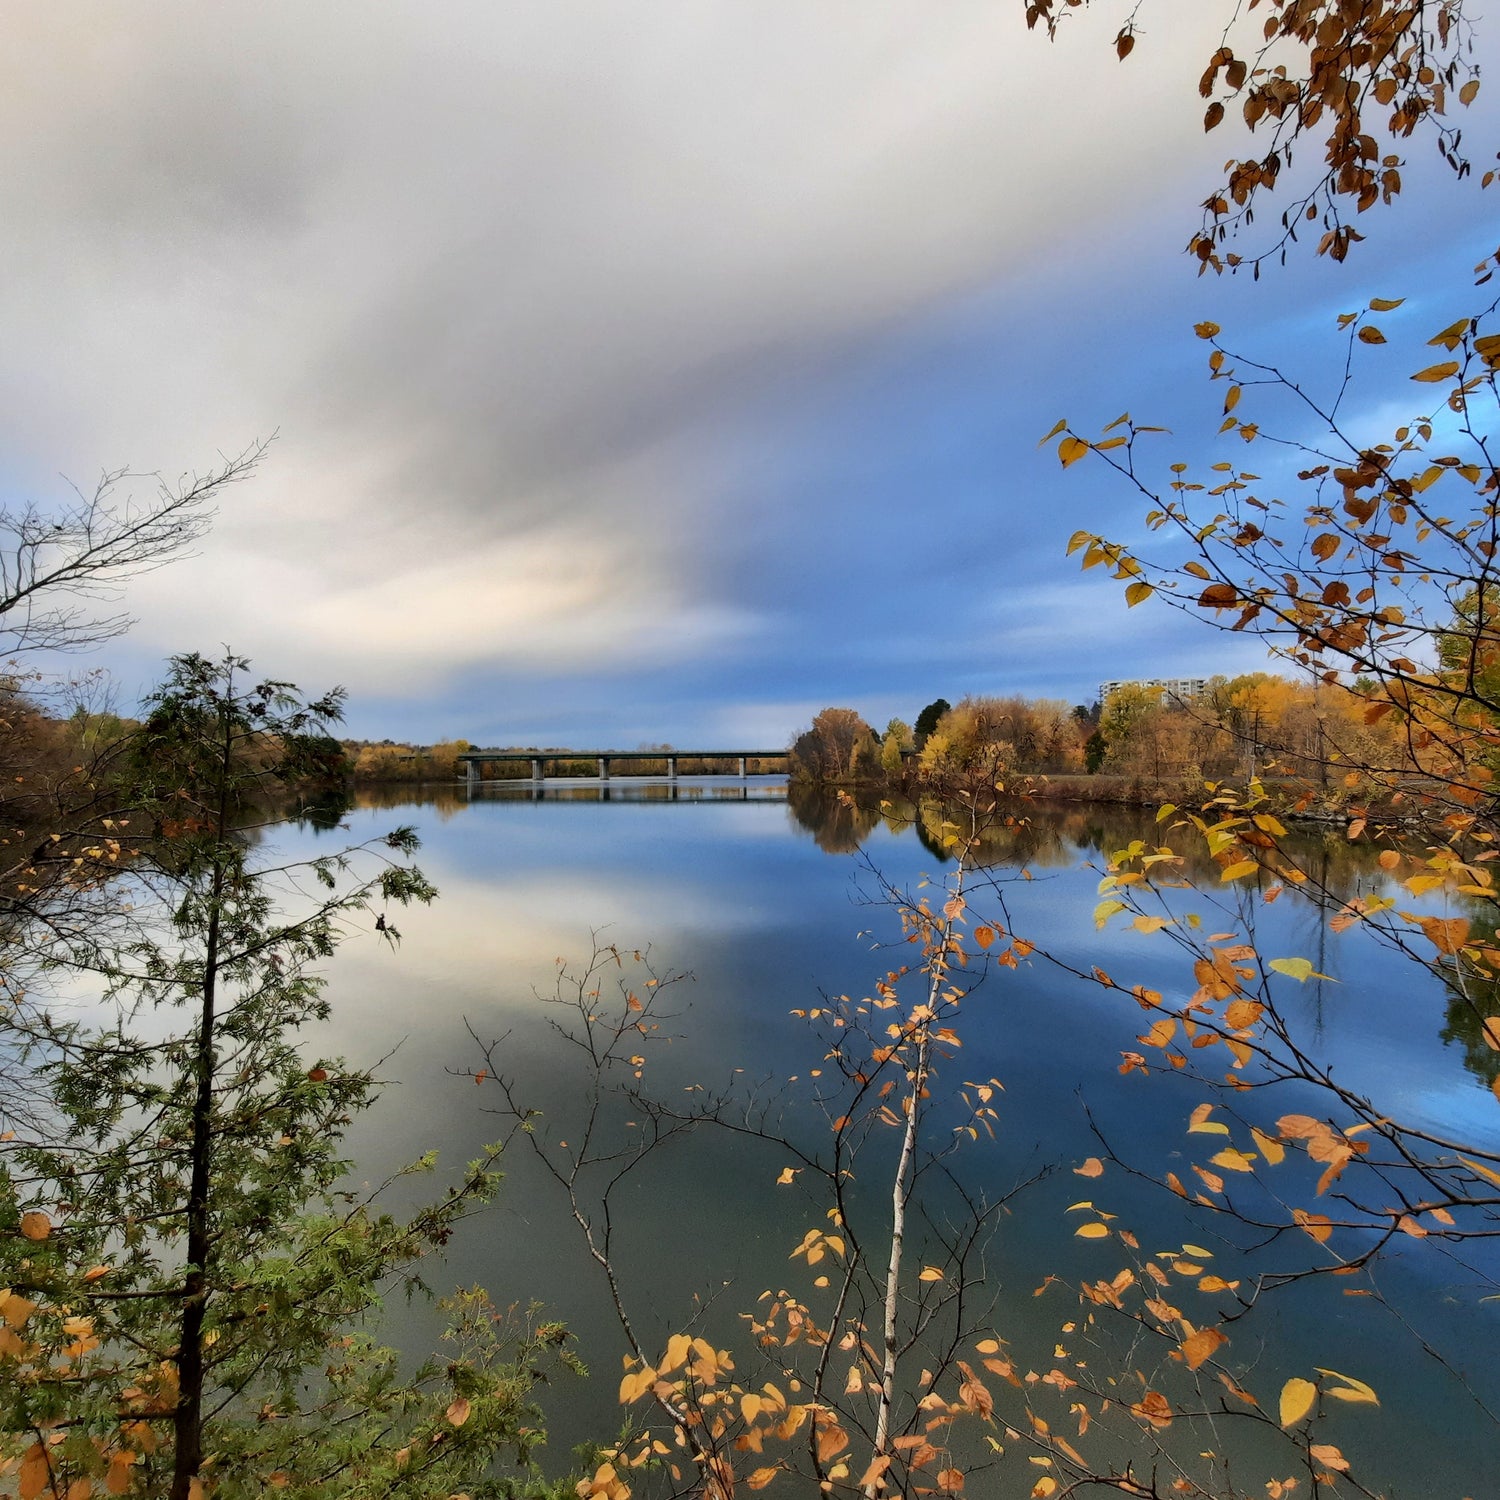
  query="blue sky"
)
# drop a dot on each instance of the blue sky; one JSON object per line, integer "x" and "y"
{"x": 640, "y": 373}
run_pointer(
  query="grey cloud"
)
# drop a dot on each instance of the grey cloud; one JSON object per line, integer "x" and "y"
{"x": 506, "y": 275}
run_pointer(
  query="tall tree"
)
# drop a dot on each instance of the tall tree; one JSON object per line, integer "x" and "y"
{"x": 929, "y": 719}
{"x": 187, "y": 1279}
{"x": 828, "y": 750}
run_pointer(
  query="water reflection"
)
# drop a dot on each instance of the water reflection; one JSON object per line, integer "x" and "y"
{"x": 756, "y": 902}
{"x": 1041, "y": 835}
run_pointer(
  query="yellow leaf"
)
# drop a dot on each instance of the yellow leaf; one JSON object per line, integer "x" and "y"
{"x": 1450, "y": 336}
{"x": 1385, "y": 304}
{"x": 1071, "y": 449}
{"x": 1435, "y": 373}
{"x": 1044, "y": 1486}
{"x": 1138, "y": 593}
{"x": 1161, "y": 1033}
{"x": 984, "y": 936}
{"x": 1488, "y": 1173}
{"x": 930, "y": 1273}
{"x": 1093, "y": 1231}
{"x": 1093, "y": 1167}
{"x": 458, "y": 1412}
{"x": 1297, "y": 1397}
{"x": 1200, "y": 1124}
{"x": 760, "y": 1478}
{"x": 1237, "y": 870}
{"x": 1351, "y": 1390}
{"x": 1232, "y": 1160}
{"x": 1370, "y": 334}
{"x": 1273, "y": 1151}
{"x": 788, "y": 1174}
{"x": 1205, "y": 330}
{"x": 1061, "y": 423}
{"x": 1298, "y": 968}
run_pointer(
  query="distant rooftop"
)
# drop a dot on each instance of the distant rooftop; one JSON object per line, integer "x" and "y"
{"x": 1181, "y": 688}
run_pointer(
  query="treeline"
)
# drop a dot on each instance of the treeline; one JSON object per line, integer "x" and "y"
{"x": 1256, "y": 724}
{"x": 386, "y": 760}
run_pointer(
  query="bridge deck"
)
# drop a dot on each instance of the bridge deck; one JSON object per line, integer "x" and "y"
{"x": 512, "y": 755}
{"x": 474, "y": 761}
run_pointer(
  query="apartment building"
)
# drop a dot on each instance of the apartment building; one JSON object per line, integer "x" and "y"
{"x": 1176, "y": 689}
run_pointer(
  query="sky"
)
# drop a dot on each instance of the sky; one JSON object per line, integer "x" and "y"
{"x": 640, "y": 373}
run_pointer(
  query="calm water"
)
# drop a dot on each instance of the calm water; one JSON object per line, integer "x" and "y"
{"x": 765, "y": 903}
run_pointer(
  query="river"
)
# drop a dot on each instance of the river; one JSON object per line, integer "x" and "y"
{"x": 770, "y": 906}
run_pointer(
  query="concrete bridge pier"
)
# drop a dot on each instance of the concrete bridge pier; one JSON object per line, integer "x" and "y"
{"x": 536, "y": 772}
{"x": 671, "y": 768}
{"x": 603, "y": 768}
{"x": 742, "y": 768}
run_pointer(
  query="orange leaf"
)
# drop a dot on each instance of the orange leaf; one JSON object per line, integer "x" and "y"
{"x": 36, "y": 1225}
{"x": 1447, "y": 935}
{"x": 1319, "y": 1226}
{"x": 1201, "y": 1345}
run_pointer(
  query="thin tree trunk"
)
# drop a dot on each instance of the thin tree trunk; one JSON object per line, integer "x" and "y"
{"x": 901, "y": 1194}
{"x": 187, "y": 1457}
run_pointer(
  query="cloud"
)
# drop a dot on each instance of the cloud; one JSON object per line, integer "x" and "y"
{"x": 514, "y": 283}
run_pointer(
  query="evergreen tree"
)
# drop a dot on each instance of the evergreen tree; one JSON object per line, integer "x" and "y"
{"x": 186, "y": 1280}
{"x": 928, "y": 720}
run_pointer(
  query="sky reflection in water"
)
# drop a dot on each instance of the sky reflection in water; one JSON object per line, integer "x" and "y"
{"x": 765, "y": 904}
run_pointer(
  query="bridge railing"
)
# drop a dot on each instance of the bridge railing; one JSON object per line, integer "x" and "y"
{"x": 536, "y": 766}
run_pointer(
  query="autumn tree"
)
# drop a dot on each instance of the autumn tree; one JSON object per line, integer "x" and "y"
{"x": 837, "y": 747}
{"x": 828, "y": 1387}
{"x": 1366, "y": 565}
{"x": 1359, "y": 79}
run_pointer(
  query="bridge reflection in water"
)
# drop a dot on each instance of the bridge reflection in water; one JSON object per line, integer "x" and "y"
{"x": 653, "y": 789}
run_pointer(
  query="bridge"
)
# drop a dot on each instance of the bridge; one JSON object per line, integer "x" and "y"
{"x": 474, "y": 761}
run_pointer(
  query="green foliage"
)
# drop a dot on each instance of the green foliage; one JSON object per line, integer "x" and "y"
{"x": 891, "y": 748}
{"x": 928, "y": 720}
{"x": 185, "y": 1277}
